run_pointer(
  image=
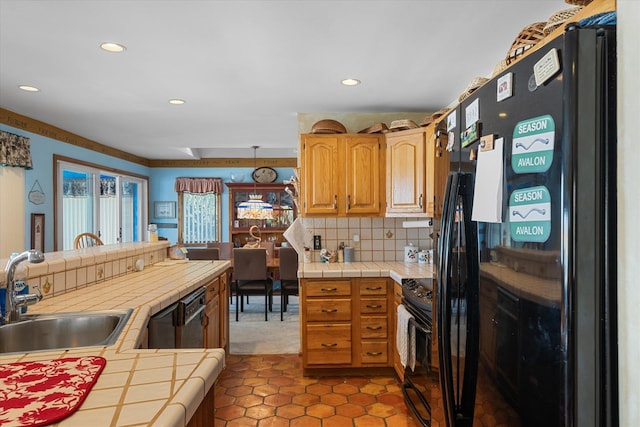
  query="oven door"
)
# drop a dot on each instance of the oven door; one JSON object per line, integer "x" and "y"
{"x": 421, "y": 385}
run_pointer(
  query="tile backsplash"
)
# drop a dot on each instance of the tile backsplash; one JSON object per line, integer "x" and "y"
{"x": 67, "y": 271}
{"x": 381, "y": 239}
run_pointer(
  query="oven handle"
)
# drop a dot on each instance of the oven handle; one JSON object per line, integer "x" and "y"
{"x": 423, "y": 329}
{"x": 412, "y": 405}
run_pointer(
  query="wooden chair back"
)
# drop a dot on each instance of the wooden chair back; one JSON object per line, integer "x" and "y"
{"x": 86, "y": 240}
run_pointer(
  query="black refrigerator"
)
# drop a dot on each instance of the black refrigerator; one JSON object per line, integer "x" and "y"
{"x": 526, "y": 274}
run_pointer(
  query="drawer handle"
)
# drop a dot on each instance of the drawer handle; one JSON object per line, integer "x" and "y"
{"x": 374, "y": 306}
{"x": 377, "y": 288}
{"x": 374, "y": 353}
{"x": 329, "y": 345}
{"x": 329, "y": 289}
{"x": 329, "y": 310}
{"x": 374, "y": 328}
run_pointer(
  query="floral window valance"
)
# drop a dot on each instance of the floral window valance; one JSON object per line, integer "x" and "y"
{"x": 198, "y": 185}
{"x": 14, "y": 150}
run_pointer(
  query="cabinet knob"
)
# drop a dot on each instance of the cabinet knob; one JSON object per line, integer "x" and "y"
{"x": 329, "y": 289}
{"x": 335, "y": 201}
{"x": 329, "y": 310}
{"x": 374, "y": 328}
{"x": 374, "y": 306}
{"x": 377, "y": 288}
{"x": 348, "y": 202}
{"x": 324, "y": 344}
{"x": 374, "y": 353}
{"x": 420, "y": 201}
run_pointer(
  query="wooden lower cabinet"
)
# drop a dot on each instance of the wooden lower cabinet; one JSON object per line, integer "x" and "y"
{"x": 216, "y": 322}
{"x": 346, "y": 323}
{"x": 397, "y": 300}
{"x": 212, "y": 314}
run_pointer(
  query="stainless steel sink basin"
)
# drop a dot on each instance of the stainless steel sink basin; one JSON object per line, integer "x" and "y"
{"x": 42, "y": 332}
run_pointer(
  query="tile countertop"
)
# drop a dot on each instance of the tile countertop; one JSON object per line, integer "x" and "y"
{"x": 139, "y": 387}
{"x": 396, "y": 270}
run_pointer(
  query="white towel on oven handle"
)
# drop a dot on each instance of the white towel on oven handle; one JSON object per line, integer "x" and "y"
{"x": 405, "y": 338}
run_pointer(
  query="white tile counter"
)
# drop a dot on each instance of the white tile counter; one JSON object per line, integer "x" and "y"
{"x": 396, "y": 270}
{"x": 139, "y": 387}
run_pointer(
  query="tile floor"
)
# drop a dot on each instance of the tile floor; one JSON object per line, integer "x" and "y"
{"x": 271, "y": 391}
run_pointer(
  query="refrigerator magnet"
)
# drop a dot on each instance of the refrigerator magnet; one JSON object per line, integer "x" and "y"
{"x": 470, "y": 135}
{"x": 486, "y": 142}
{"x": 504, "y": 87}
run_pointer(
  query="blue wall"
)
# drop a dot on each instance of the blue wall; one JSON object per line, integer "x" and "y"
{"x": 161, "y": 182}
{"x": 161, "y": 189}
{"x": 42, "y": 151}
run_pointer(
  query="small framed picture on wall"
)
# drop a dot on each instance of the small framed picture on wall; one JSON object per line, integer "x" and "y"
{"x": 164, "y": 209}
{"x": 37, "y": 231}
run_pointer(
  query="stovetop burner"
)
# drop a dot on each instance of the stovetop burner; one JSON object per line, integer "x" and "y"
{"x": 418, "y": 293}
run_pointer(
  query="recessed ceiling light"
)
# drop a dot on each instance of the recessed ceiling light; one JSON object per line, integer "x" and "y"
{"x": 112, "y": 47}
{"x": 177, "y": 101}
{"x": 350, "y": 82}
{"x": 29, "y": 88}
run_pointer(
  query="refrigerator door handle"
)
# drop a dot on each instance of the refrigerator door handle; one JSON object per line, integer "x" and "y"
{"x": 459, "y": 398}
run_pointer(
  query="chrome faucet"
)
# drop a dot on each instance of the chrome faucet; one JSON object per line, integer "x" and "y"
{"x": 15, "y": 302}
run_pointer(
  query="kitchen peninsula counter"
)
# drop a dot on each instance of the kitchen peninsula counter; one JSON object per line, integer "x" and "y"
{"x": 139, "y": 386}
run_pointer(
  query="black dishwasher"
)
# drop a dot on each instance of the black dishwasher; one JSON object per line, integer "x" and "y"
{"x": 180, "y": 325}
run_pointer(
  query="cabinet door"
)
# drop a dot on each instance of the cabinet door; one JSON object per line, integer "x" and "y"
{"x": 321, "y": 174}
{"x": 362, "y": 176}
{"x": 437, "y": 170}
{"x": 405, "y": 173}
{"x": 212, "y": 329}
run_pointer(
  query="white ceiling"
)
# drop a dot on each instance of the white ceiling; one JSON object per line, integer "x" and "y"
{"x": 245, "y": 68}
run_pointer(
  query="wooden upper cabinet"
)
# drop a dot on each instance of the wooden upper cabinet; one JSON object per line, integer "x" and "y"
{"x": 406, "y": 173}
{"x": 341, "y": 174}
{"x": 417, "y": 169}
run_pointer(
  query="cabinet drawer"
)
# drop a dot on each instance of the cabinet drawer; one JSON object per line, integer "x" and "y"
{"x": 328, "y": 344}
{"x": 373, "y": 287}
{"x": 373, "y": 327}
{"x": 328, "y": 310}
{"x": 212, "y": 289}
{"x": 374, "y": 352}
{"x": 328, "y": 288}
{"x": 373, "y": 305}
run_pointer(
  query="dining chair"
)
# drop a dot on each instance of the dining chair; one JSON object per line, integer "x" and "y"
{"x": 288, "y": 277}
{"x": 86, "y": 240}
{"x": 223, "y": 247}
{"x": 251, "y": 277}
{"x": 203, "y": 253}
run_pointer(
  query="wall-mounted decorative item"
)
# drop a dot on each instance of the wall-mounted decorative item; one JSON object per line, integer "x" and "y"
{"x": 37, "y": 231}
{"x": 36, "y": 195}
{"x": 164, "y": 209}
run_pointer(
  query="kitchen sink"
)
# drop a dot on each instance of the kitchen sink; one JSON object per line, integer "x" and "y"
{"x": 41, "y": 332}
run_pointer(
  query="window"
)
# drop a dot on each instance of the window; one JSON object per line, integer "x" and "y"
{"x": 198, "y": 209}
{"x": 106, "y": 202}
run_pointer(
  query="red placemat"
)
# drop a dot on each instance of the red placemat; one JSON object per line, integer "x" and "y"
{"x": 40, "y": 393}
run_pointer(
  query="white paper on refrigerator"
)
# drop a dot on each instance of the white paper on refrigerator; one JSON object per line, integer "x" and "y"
{"x": 487, "y": 195}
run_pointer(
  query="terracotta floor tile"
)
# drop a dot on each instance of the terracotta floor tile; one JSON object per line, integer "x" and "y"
{"x": 321, "y": 410}
{"x": 277, "y": 399}
{"x": 350, "y": 410}
{"x": 305, "y": 421}
{"x": 271, "y": 391}
{"x": 333, "y": 399}
{"x": 260, "y": 412}
{"x": 290, "y": 411}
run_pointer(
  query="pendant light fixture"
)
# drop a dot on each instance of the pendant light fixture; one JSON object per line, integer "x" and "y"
{"x": 255, "y": 208}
